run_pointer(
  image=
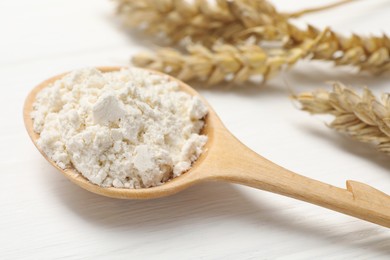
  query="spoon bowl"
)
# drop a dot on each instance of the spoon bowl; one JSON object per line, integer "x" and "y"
{"x": 226, "y": 159}
{"x": 172, "y": 186}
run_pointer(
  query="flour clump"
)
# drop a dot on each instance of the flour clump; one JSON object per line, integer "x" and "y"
{"x": 127, "y": 129}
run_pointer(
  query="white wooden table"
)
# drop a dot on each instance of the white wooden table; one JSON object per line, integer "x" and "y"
{"x": 44, "y": 216}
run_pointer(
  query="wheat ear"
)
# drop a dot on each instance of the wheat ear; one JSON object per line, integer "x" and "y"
{"x": 224, "y": 62}
{"x": 201, "y": 20}
{"x": 370, "y": 54}
{"x": 205, "y": 21}
{"x": 362, "y": 117}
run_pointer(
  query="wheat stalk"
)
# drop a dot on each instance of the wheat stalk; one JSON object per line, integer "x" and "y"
{"x": 224, "y": 62}
{"x": 319, "y": 8}
{"x": 362, "y": 117}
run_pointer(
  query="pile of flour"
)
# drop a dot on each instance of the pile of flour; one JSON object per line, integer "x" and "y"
{"x": 126, "y": 129}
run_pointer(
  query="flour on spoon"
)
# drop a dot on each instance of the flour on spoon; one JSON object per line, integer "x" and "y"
{"x": 126, "y": 129}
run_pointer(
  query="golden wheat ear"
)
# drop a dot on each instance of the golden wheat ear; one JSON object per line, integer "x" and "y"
{"x": 362, "y": 117}
{"x": 205, "y": 21}
{"x": 200, "y": 20}
{"x": 224, "y": 62}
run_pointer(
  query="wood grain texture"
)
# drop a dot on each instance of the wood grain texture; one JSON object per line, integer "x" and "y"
{"x": 45, "y": 216}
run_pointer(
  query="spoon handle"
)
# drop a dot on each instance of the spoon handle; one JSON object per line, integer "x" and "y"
{"x": 245, "y": 167}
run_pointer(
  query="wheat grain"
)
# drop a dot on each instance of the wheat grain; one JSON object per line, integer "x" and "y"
{"x": 362, "y": 117}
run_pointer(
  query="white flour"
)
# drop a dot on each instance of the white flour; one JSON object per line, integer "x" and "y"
{"x": 127, "y": 129}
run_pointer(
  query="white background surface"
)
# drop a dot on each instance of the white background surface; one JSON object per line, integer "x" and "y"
{"x": 44, "y": 216}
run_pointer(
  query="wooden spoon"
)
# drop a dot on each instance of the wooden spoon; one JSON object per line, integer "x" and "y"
{"x": 227, "y": 159}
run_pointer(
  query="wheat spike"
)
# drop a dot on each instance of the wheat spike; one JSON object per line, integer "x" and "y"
{"x": 235, "y": 63}
{"x": 203, "y": 21}
{"x": 225, "y": 62}
{"x": 362, "y": 117}
{"x": 370, "y": 54}
{"x": 206, "y": 21}
{"x": 367, "y": 53}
